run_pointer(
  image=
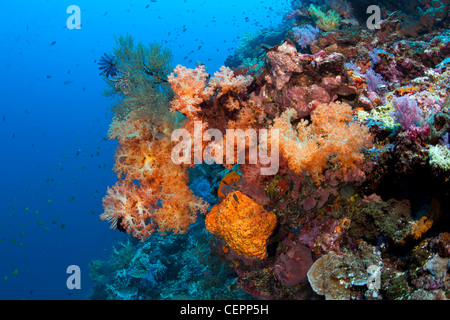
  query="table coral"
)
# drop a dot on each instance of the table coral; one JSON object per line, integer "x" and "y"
{"x": 335, "y": 276}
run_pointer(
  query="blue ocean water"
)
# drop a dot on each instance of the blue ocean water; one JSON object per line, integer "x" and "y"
{"x": 56, "y": 161}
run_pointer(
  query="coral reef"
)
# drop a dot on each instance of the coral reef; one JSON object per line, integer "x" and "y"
{"x": 359, "y": 206}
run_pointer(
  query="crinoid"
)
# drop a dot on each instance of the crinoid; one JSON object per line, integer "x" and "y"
{"x": 108, "y": 66}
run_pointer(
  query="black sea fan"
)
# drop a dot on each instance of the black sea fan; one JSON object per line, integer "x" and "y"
{"x": 107, "y": 66}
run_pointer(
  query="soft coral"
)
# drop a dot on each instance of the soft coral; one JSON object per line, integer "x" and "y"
{"x": 330, "y": 138}
{"x": 154, "y": 194}
{"x": 128, "y": 208}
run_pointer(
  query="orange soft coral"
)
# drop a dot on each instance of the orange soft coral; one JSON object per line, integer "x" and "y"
{"x": 418, "y": 228}
{"x": 226, "y": 81}
{"x": 144, "y": 156}
{"x": 190, "y": 88}
{"x": 329, "y": 139}
{"x": 244, "y": 224}
{"x": 128, "y": 208}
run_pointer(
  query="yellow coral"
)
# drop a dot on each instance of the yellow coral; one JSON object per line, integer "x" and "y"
{"x": 381, "y": 113}
{"x": 325, "y": 22}
{"x": 244, "y": 224}
{"x": 420, "y": 227}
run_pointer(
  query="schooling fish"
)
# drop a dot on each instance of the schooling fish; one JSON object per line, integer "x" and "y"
{"x": 53, "y": 43}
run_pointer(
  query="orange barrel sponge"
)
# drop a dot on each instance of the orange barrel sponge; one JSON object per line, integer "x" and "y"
{"x": 244, "y": 224}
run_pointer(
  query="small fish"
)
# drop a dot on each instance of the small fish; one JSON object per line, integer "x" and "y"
{"x": 63, "y": 226}
{"x": 236, "y": 198}
{"x": 48, "y": 76}
{"x": 147, "y": 6}
{"x": 72, "y": 199}
{"x": 67, "y": 82}
{"x": 13, "y": 135}
{"x": 4, "y": 118}
{"x": 78, "y": 152}
{"x": 53, "y": 43}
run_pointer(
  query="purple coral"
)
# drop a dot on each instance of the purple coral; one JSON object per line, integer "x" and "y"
{"x": 373, "y": 54}
{"x": 407, "y": 112}
{"x": 304, "y": 36}
{"x": 374, "y": 80}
